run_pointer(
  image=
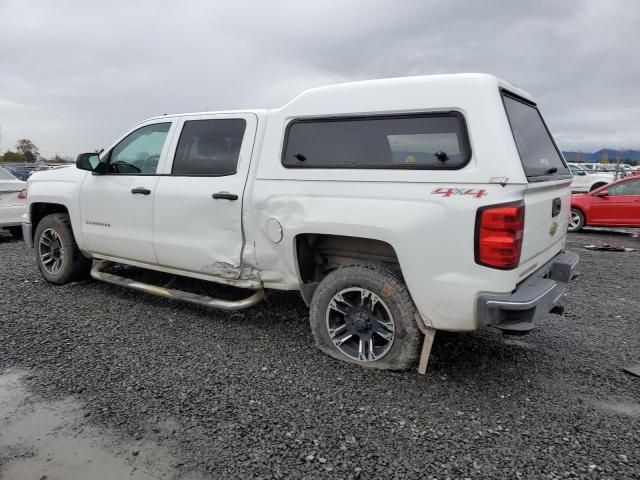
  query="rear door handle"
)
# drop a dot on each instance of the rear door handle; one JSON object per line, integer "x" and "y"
{"x": 225, "y": 196}
{"x": 143, "y": 191}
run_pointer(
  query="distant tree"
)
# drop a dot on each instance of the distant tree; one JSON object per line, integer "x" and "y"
{"x": 27, "y": 148}
{"x": 605, "y": 156}
{"x": 12, "y": 157}
{"x": 59, "y": 159}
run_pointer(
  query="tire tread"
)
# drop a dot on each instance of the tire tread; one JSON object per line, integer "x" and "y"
{"x": 79, "y": 265}
{"x": 410, "y": 352}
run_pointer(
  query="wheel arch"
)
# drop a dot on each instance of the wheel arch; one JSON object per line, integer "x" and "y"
{"x": 582, "y": 211}
{"x": 39, "y": 210}
{"x": 319, "y": 254}
{"x": 597, "y": 185}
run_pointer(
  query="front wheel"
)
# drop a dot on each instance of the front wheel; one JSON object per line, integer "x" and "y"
{"x": 576, "y": 220}
{"x": 364, "y": 314}
{"x": 596, "y": 186}
{"x": 59, "y": 258}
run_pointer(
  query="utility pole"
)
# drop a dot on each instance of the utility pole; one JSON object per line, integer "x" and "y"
{"x": 619, "y": 170}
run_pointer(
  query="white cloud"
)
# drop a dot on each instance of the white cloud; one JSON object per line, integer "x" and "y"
{"x": 74, "y": 75}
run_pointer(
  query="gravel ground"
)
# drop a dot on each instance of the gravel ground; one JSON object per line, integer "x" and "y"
{"x": 247, "y": 395}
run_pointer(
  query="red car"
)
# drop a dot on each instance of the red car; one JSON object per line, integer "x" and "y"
{"x": 614, "y": 205}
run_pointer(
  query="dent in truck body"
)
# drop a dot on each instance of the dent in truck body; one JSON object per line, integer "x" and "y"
{"x": 222, "y": 269}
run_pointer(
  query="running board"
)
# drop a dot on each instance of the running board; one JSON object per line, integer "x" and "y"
{"x": 98, "y": 273}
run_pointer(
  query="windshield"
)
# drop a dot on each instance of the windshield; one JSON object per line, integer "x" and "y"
{"x": 539, "y": 155}
{"x": 575, "y": 169}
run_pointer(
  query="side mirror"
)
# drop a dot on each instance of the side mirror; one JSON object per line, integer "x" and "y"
{"x": 581, "y": 173}
{"x": 601, "y": 193}
{"x": 90, "y": 162}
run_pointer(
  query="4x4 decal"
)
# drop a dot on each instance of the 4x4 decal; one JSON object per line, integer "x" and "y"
{"x": 449, "y": 192}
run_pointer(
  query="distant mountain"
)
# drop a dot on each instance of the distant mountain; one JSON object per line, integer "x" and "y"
{"x": 633, "y": 155}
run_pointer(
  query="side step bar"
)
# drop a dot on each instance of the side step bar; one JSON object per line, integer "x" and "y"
{"x": 98, "y": 273}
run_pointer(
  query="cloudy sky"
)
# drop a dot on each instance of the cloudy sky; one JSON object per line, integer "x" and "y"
{"x": 75, "y": 74}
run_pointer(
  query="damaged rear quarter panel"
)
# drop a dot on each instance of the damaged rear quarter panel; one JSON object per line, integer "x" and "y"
{"x": 432, "y": 235}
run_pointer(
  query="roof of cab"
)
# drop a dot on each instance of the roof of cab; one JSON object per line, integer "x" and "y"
{"x": 381, "y": 94}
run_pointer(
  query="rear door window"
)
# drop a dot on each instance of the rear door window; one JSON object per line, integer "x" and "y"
{"x": 427, "y": 141}
{"x": 539, "y": 155}
{"x": 209, "y": 147}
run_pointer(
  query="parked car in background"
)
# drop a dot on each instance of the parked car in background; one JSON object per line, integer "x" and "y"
{"x": 586, "y": 182}
{"x": 614, "y": 205}
{"x": 13, "y": 197}
{"x": 623, "y": 168}
{"x": 594, "y": 167}
{"x": 20, "y": 172}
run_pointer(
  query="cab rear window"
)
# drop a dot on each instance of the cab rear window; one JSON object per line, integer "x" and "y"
{"x": 539, "y": 155}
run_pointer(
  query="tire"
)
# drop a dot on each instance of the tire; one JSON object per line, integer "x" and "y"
{"x": 54, "y": 234}
{"x": 387, "y": 297}
{"x": 16, "y": 231}
{"x": 576, "y": 220}
{"x": 595, "y": 186}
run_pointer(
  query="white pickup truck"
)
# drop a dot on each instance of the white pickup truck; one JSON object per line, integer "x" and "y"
{"x": 397, "y": 207}
{"x": 584, "y": 181}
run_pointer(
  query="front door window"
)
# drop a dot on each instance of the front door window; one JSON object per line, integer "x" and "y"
{"x": 139, "y": 152}
{"x": 630, "y": 187}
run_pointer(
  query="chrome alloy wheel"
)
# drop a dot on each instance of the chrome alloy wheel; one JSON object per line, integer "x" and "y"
{"x": 51, "y": 251}
{"x": 360, "y": 324}
{"x": 574, "y": 220}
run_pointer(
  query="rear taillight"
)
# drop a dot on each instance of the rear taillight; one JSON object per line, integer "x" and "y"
{"x": 499, "y": 230}
{"x": 23, "y": 194}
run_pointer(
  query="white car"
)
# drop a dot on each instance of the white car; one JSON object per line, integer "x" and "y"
{"x": 396, "y": 207}
{"x": 617, "y": 171}
{"x": 583, "y": 181}
{"x": 13, "y": 197}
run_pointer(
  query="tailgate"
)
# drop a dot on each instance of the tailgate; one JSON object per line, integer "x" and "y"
{"x": 9, "y": 191}
{"x": 547, "y": 207}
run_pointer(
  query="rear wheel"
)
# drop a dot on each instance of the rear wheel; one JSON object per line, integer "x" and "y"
{"x": 364, "y": 314}
{"x": 59, "y": 258}
{"x": 576, "y": 220}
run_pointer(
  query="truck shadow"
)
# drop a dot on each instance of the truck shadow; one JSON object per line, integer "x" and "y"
{"x": 6, "y": 237}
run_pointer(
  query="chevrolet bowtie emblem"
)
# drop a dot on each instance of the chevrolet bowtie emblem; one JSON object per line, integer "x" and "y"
{"x": 553, "y": 229}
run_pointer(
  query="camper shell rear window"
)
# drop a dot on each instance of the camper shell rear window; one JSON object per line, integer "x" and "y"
{"x": 539, "y": 154}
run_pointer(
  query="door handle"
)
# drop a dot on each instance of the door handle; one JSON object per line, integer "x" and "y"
{"x": 143, "y": 191}
{"x": 225, "y": 196}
